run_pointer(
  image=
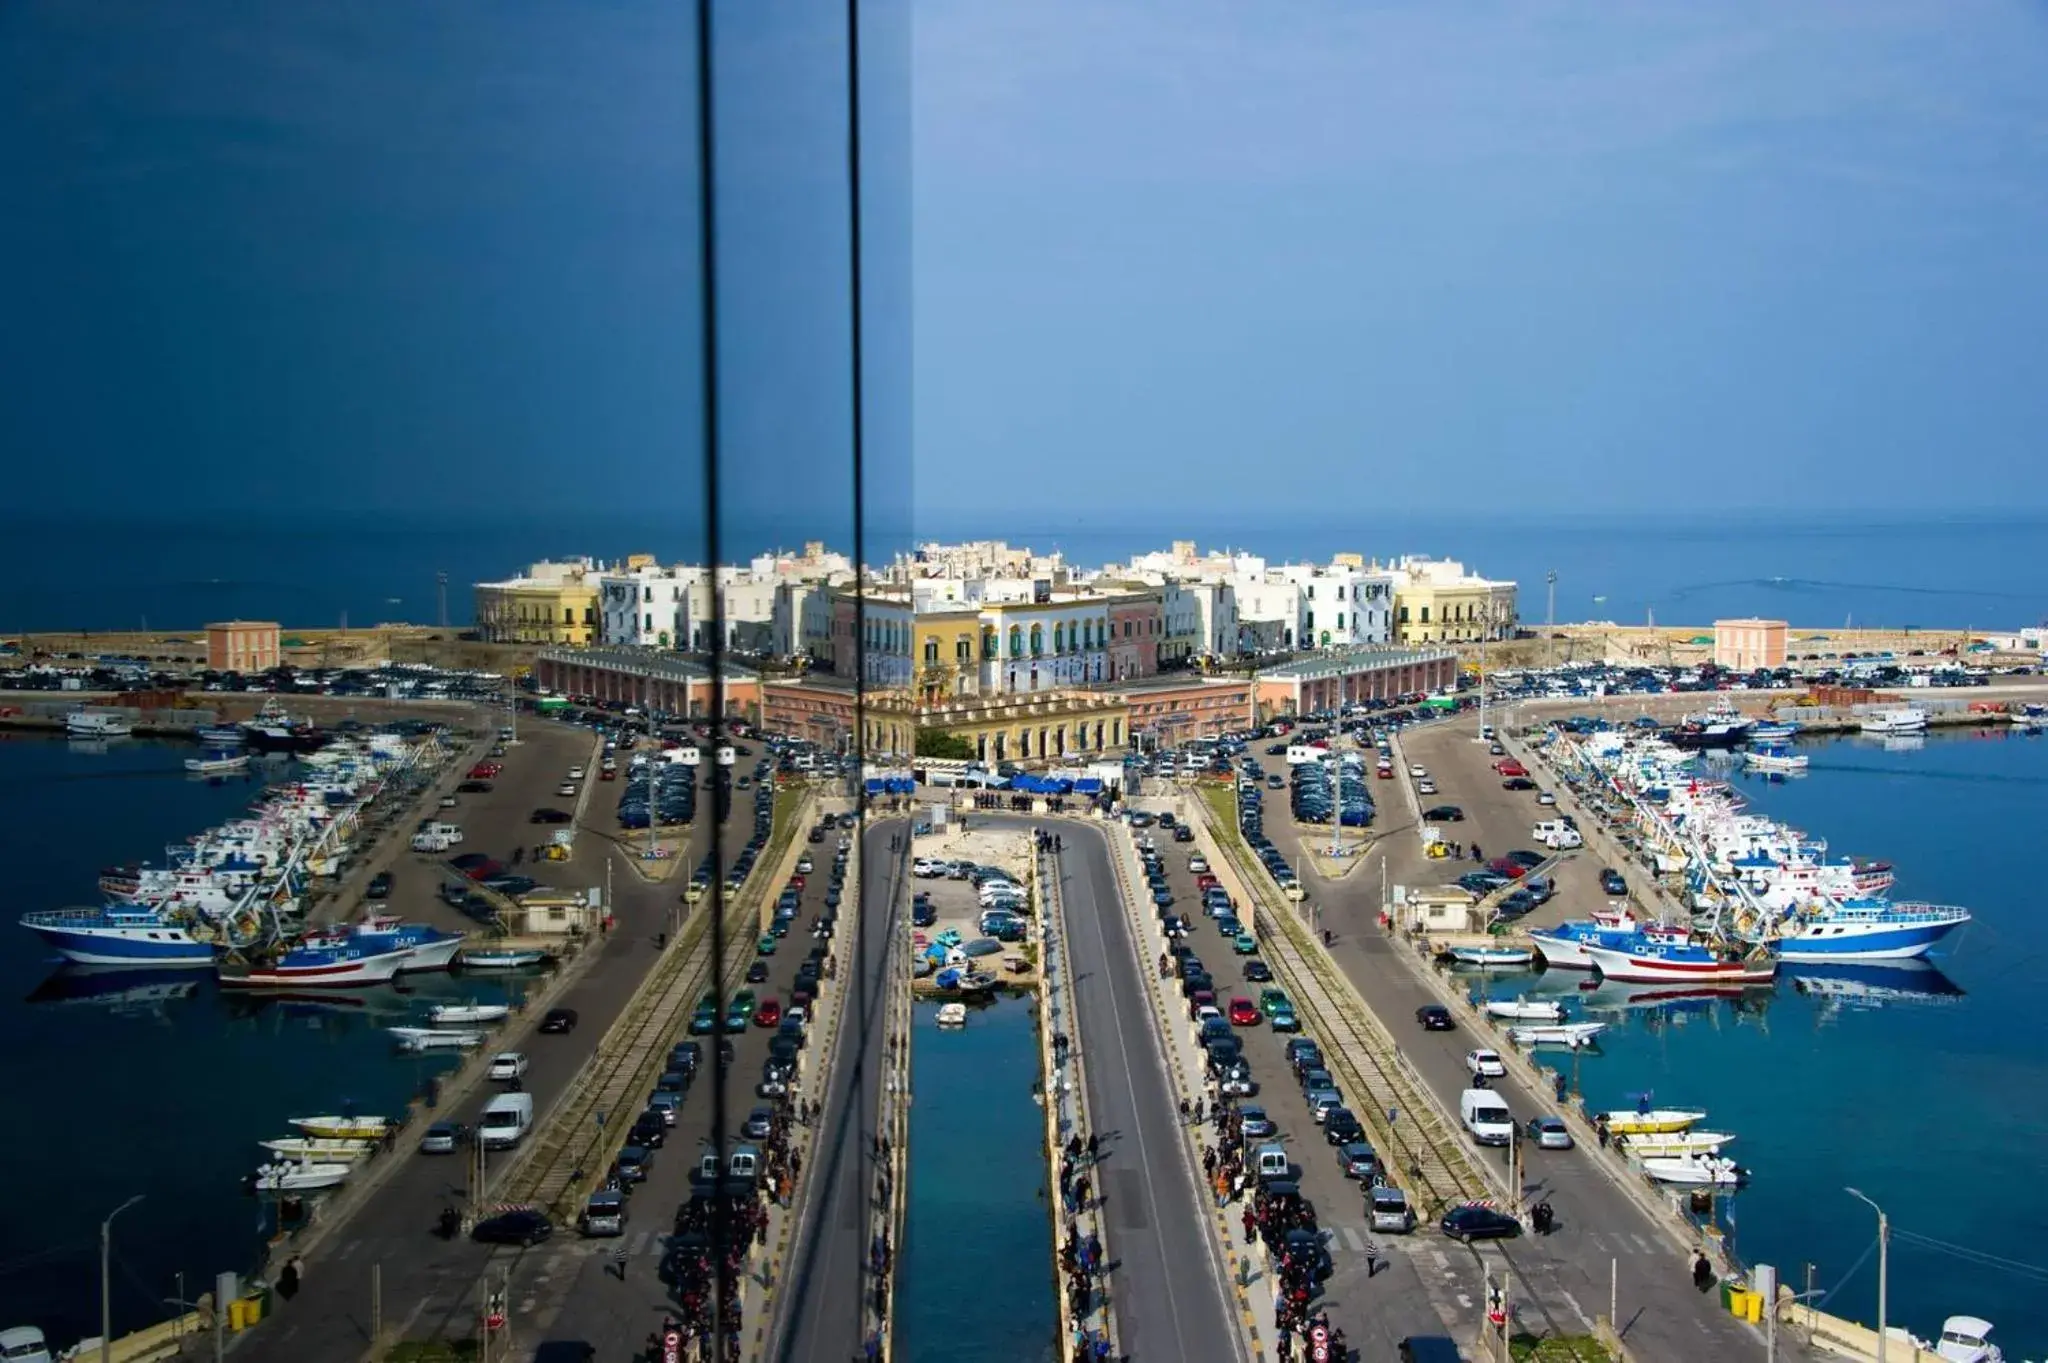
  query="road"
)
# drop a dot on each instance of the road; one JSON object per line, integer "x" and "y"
{"x": 1603, "y": 1240}
{"x": 428, "y": 1284}
{"x": 1164, "y": 1285}
{"x": 826, "y": 1279}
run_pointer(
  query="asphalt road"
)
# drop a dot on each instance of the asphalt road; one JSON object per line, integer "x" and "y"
{"x": 826, "y": 1279}
{"x": 1165, "y": 1283}
{"x": 428, "y": 1284}
{"x": 1603, "y": 1240}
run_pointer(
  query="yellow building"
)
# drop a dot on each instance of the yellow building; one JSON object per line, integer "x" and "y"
{"x": 551, "y": 603}
{"x": 945, "y": 661}
{"x": 1437, "y": 602}
{"x": 1048, "y": 726}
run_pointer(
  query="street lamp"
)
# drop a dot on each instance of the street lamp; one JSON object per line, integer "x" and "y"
{"x": 106, "y": 1288}
{"x": 1884, "y": 1237}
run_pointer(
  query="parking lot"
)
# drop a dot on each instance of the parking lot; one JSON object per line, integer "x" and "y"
{"x": 974, "y": 891}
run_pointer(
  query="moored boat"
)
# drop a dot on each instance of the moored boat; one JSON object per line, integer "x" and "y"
{"x": 321, "y": 964}
{"x": 1696, "y": 1171}
{"x": 1907, "y": 719}
{"x": 435, "y": 1039}
{"x": 330, "y": 1149}
{"x": 446, "y": 1013}
{"x": 120, "y": 934}
{"x": 346, "y": 1128}
{"x": 498, "y": 958}
{"x": 217, "y": 764}
{"x": 220, "y": 735}
{"x": 1493, "y": 955}
{"x": 1674, "y": 1142}
{"x": 1652, "y": 1120}
{"x": 952, "y": 1015}
{"x": 1530, "y": 1010}
{"x": 96, "y": 724}
{"x": 1690, "y": 962}
{"x": 299, "y": 1176}
{"x": 1866, "y": 929}
{"x": 1573, "y": 1034}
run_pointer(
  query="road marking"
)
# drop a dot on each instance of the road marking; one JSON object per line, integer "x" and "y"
{"x": 347, "y": 1249}
{"x": 1465, "y": 1300}
{"x": 1647, "y": 1247}
{"x": 1353, "y": 1238}
{"x": 1443, "y": 1260}
{"x": 638, "y": 1242}
{"x": 1577, "y": 1310}
{"x": 1598, "y": 1243}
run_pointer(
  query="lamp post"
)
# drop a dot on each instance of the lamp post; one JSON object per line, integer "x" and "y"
{"x": 1884, "y": 1237}
{"x": 106, "y": 1286}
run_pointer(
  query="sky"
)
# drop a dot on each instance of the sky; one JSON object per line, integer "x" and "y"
{"x": 1133, "y": 264}
{"x": 1183, "y": 257}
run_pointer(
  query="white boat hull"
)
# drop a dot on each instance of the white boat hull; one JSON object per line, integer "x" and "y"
{"x": 1529, "y": 1010}
{"x": 1675, "y": 1143}
{"x": 352, "y": 1128}
{"x": 1572, "y": 1034}
{"x": 1562, "y": 952}
{"x": 1493, "y": 956}
{"x": 325, "y": 1149}
{"x": 294, "y": 1177}
{"x": 1694, "y": 1171}
{"x": 461, "y": 1013}
{"x": 429, "y": 1039}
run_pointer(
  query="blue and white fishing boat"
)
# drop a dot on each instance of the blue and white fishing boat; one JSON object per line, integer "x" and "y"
{"x": 429, "y": 947}
{"x": 1772, "y": 732}
{"x": 1565, "y": 946}
{"x": 1493, "y": 956}
{"x": 120, "y": 934}
{"x": 1865, "y": 929}
{"x": 320, "y": 963}
{"x": 220, "y": 735}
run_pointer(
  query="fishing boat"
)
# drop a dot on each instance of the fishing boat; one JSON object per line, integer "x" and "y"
{"x": 435, "y": 1039}
{"x": 120, "y": 934}
{"x": 1909, "y": 719}
{"x": 272, "y": 730}
{"x": 1564, "y": 946}
{"x": 1696, "y": 1171}
{"x": 1966, "y": 1339}
{"x": 442, "y": 1014}
{"x": 1772, "y": 731}
{"x": 297, "y": 1176}
{"x": 978, "y": 982}
{"x": 1775, "y": 757}
{"x": 1675, "y": 962}
{"x": 499, "y": 958}
{"x": 334, "y": 1150}
{"x": 952, "y": 1015}
{"x": 220, "y": 735}
{"x": 1491, "y": 956}
{"x": 217, "y": 764}
{"x": 1572, "y": 1034}
{"x": 321, "y": 963}
{"x": 343, "y": 1128}
{"x": 1675, "y": 1143}
{"x": 1865, "y": 929}
{"x": 1526, "y": 1010}
{"x": 96, "y": 724}
{"x": 426, "y": 948}
{"x": 1652, "y": 1120}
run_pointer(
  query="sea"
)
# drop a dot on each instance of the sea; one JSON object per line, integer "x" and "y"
{"x": 153, "y": 1083}
{"x": 1927, "y": 1090}
{"x": 313, "y": 570}
{"x": 975, "y": 1282}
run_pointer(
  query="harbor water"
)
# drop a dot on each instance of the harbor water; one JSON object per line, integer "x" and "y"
{"x": 976, "y": 1282}
{"x": 154, "y": 1082}
{"x": 1927, "y": 1089}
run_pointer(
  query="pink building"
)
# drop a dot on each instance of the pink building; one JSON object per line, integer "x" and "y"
{"x": 1136, "y": 623}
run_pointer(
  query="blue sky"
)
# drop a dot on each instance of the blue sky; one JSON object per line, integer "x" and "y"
{"x": 1205, "y": 257}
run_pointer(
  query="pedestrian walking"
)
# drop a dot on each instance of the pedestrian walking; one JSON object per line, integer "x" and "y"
{"x": 619, "y": 1261}
{"x": 288, "y": 1279}
{"x": 1702, "y": 1271}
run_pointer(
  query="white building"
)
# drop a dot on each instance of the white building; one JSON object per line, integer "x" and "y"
{"x": 645, "y": 605}
{"x": 1343, "y": 605}
{"x": 1269, "y": 613}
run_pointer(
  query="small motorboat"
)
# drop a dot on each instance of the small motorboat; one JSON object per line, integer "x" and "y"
{"x": 952, "y": 1015}
{"x": 348, "y": 1128}
{"x": 218, "y": 764}
{"x": 1967, "y": 1339}
{"x": 1696, "y": 1171}
{"x": 1573, "y": 1034}
{"x": 1652, "y": 1121}
{"x": 298, "y": 1176}
{"x": 1526, "y": 1010}
{"x": 1675, "y": 1143}
{"x": 435, "y": 1039}
{"x": 500, "y": 958}
{"x": 978, "y": 982}
{"x": 325, "y": 1148}
{"x": 446, "y": 1014}
{"x": 1493, "y": 956}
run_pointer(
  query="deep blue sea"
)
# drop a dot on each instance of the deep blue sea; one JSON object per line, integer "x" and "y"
{"x": 314, "y": 571}
{"x": 1928, "y": 1091}
{"x": 976, "y": 1281}
{"x": 154, "y": 1083}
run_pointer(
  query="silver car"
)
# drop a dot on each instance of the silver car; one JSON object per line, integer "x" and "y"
{"x": 1550, "y": 1133}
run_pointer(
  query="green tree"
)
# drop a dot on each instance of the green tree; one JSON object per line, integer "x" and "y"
{"x": 944, "y": 744}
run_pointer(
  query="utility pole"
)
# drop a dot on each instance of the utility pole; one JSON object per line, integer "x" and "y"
{"x": 106, "y": 1286}
{"x": 1884, "y": 1238}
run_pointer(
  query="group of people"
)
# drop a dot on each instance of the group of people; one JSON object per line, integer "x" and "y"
{"x": 1082, "y": 1263}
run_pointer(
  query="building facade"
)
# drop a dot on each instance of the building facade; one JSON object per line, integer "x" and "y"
{"x": 550, "y": 603}
{"x": 1438, "y": 601}
{"x": 650, "y": 680}
{"x": 1049, "y": 726}
{"x": 1312, "y": 685}
{"x": 243, "y": 646}
{"x": 1745, "y": 645}
{"x": 1168, "y": 710}
{"x": 1136, "y": 624}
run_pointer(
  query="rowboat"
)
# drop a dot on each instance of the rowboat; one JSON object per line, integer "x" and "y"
{"x": 1695, "y": 1170}
{"x": 499, "y": 958}
{"x": 1532, "y": 1010}
{"x": 1493, "y": 956}
{"x": 350, "y": 1128}
{"x": 952, "y": 1015}
{"x": 435, "y": 1039}
{"x": 1675, "y": 1143}
{"x": 1573, "y": 1034}
{"x": 295, "y": 1176}
{"x": 445, "y": 1013}
{"x": 327, "y": 1148}
{"x": 217, "y": 765}
{"x": 1653, "y": 1120}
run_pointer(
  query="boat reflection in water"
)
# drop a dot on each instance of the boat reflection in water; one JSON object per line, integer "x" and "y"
{"x": 117, "y": 989}
{"x": 1871, "y": 984}
{"x": 1659, "y": 1004}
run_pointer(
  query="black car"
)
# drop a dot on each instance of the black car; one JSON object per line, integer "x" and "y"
{"x": 522, "y": 1227}
{"x": 1518, "y": 783}
{"x": 474, "y": 788}
{"x": 1611, "y": 882}
{"x": 1257, "y": 971}
{"x": 631, "y": 1165}
{"x": 757, "y": 973}
{"x": 1306, "y": 1246}
{"x": 649, "y": 1131}
{"x": 1434, "y": 1017}
{"x": 1476, "y": 1222}
{"x": 549, "y": 816}
{"x": 1443, "y": 814}
{"x": 1341, "y": 1127}
{"x": 558, "y": 1021}
{"x": 379, "y": 886}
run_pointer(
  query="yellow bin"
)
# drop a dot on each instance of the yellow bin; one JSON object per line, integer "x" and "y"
{"x": 1746, "y": 1305}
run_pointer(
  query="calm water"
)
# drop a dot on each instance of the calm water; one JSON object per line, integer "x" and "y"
{"x": 311, "y": 572}
{"x": 976, "y": 1283}
{"x": 1935, "y": 1104}
{"x": 153, "y": 1083}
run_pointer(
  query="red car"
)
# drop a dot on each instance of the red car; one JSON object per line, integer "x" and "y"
{"x": 769, "y": 1014}
{"x": 796, "y": 882}
{"x": 1205, "y": 881}
{"x": 1513, "y": 870}
{"x": 484, "y": 771}
{"x": 1243, "y": 1013}
{"x": 1508, "y": 766}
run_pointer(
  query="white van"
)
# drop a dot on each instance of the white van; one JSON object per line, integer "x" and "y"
{"x": 1269, "y": 1163}
{"x": 428, "y": 841}
{"x": 1486, "y": 1117}
{"x": 1563, "y": 840}
{"x": 451, "y": 831}
{"x": 505, "y": 1121}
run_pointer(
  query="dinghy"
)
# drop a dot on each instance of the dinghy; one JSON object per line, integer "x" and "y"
{"x": 952, "y": 1015}
{"x": 348, "y": 1128}
{"x": 1493, "y": 956}
{"x": 297, "y": 1176}
{"x": 1696, "y": 1171}
{"x": 1650, "y": 1121}
{"x": 445, "y": 1014}
{"x": 325, "y": 1148}
{"x": 434, "y": 1039}
{"x": 1675, "y": 1143}
{"x": 1526, "y": 1010}
{"x": 1573, "y": 1034}
{"x": 500, "y": 958}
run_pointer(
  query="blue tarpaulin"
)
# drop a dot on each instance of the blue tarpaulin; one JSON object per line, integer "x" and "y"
{"x": 1088, "y": 785}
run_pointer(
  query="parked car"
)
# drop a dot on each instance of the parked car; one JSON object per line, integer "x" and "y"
{"x": 522, "y": 1226}
{"x": 1434, "y": 1017}
{"x": 558, "y": 1022}
{"x": 1476, "y": 1222}
{"x": 1550, "y": 1133}
{"x": 1485, "y": 1063}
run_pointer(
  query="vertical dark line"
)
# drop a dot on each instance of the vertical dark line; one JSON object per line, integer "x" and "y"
{"x": 707, "y": 277}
